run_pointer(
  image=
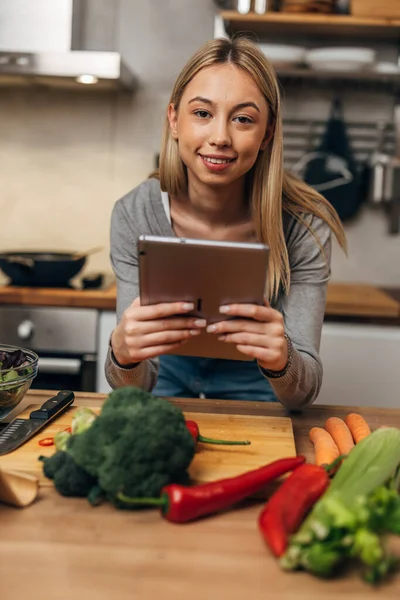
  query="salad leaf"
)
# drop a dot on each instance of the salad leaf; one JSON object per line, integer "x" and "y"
{"x": 9, "y": 362}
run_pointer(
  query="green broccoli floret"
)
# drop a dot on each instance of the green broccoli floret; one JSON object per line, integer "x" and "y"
{"x": 127, "y": 397}
{"x": 138, "y": 444}
{"x": 51, "y": 464}
{"x": 69, "y": 479}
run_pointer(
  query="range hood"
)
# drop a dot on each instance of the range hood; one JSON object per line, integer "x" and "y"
{"x": 42, "y": 43}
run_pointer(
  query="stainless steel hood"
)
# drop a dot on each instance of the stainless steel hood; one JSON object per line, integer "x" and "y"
{"x": 43, "y": 43}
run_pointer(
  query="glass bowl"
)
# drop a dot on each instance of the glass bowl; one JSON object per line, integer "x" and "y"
{"x": 16, "y": 381}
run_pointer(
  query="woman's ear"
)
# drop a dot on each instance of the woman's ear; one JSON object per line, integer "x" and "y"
{"x": 173, "y": 121}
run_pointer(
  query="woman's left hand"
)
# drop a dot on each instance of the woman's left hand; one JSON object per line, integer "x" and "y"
{"x": 257, "y": 331}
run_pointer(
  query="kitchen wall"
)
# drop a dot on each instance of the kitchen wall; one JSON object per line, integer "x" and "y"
{"x": 66, "y": 157}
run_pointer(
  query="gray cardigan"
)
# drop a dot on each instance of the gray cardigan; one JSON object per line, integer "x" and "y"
{"x": 141, "y": 212}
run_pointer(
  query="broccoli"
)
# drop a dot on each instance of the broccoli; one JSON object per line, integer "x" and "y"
{"x": 127, "y": 397}
{"x": 61, "y": 440}
{"x": 69, "y": 479}
{"x": 51, "y": 464}
{"x": 82, "y": 420}
{"x": 138, "y": 444}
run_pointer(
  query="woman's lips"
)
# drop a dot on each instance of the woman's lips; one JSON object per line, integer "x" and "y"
{"x": 216, "y": 164}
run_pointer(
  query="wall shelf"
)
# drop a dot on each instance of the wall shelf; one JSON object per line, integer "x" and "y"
{"x": 357, "y": 78}
{"x": 273, "y": 24}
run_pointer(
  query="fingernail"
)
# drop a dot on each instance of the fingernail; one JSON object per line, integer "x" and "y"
{"x": 200, "y": 323}
{"x": 188, "y": 306}
{"x": 194, "y": 332}
{"x": 224, "y": 309}
{"x": 211, "y": 328}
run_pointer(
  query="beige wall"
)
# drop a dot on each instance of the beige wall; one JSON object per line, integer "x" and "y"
{"x": 65, "y": 158}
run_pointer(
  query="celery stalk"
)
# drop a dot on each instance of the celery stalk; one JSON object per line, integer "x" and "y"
{"x": 370, "y": 464}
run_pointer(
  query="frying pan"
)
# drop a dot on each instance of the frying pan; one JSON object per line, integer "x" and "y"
{"x": 43, "y": 269}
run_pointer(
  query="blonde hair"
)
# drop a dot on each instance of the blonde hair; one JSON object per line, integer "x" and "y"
{"x": 271, "y": 189}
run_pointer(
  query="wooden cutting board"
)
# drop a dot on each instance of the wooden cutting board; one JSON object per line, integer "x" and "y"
{"x": 271, "y": 438}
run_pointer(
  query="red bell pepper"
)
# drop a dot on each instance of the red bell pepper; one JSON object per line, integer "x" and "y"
{"x": 180, "y": 504}
{"x": 287, "y": 507}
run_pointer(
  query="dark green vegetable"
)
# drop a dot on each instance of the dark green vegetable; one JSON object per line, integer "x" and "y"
{"x": 137, "y": 445}
{"x": 12, "y": 360}
{"x": 9, "y": 362}
{"x": 69, "y": 479}
{"x": 128, "y": 397}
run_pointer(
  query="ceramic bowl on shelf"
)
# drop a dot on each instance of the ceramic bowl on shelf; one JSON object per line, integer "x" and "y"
{"x": 283, "y": 55}
{"x": 340, "y": 59}
{"x": 386, "y": 68}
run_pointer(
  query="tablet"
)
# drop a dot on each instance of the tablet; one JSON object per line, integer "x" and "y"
{"x": 207, "y": 273}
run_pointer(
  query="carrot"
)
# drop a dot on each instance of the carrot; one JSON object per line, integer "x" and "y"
{"x": 340, "y": 433}
{"x": 326, "y": 451}
{"x": 358, "y": 426}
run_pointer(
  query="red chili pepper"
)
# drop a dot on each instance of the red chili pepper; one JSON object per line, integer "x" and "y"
{"x": 180, "y": 504}
{"x": 196, "y": 435}
{"x": 287, "y": 507}
{"x": 49, "y": 441}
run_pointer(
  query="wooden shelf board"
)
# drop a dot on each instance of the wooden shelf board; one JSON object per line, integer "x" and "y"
{"x": 277, "y": 23}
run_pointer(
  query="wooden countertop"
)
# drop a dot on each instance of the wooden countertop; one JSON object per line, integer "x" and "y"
{"x": 347, "y": 300}
{"x": 89, "y": 298}
{"x": 63, "y": 548}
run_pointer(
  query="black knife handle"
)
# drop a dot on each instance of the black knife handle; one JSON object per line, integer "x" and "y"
{"x": 53, "y": 405}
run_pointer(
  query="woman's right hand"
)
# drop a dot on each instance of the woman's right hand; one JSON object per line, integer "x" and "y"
{"x": 148, "y": 331}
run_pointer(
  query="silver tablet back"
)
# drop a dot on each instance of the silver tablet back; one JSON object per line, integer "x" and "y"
{"x": 204, "y": 272}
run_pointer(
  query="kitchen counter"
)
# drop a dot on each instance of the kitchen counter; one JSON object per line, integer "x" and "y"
{"x": 63, "y": 548}
{"x": 104, "y": 299}
{"x": 343, "y": 300}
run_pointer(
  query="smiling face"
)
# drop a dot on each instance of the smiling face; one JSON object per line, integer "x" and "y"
{"x": 220, "y": 125}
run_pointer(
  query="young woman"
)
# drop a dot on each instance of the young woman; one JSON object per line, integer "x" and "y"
{"x": 221, "y": 177}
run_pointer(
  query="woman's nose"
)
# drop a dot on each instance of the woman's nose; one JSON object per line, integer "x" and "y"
{"x": 220, "y": 135}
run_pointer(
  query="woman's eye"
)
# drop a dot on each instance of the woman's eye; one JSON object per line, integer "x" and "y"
{"x": 203, "y": 114}
{"x": 243, "y": 120}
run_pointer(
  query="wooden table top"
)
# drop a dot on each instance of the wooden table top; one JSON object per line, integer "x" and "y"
{"x": 62, "y": 548}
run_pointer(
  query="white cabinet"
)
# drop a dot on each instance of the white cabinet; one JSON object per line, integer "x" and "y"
{"x": 107, "y": 322}
{"x": 361, "y": 365}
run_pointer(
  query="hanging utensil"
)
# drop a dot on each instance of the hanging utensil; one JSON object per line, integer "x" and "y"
{"x": 378, "y": 163}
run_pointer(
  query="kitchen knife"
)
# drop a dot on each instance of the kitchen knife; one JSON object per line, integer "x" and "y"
{"x": 20, "y": 430}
